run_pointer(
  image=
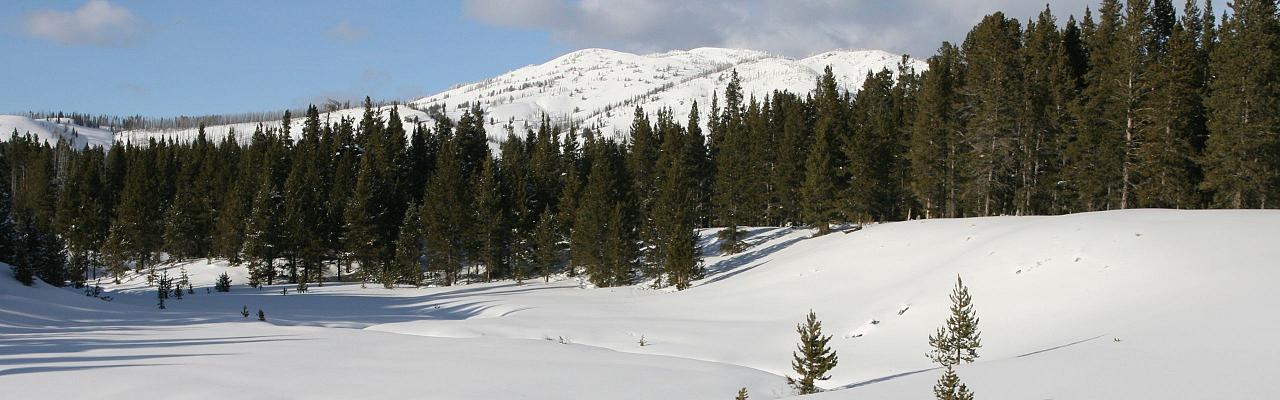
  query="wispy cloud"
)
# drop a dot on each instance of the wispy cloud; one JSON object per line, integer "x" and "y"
{"x": 346, "y": 32}
{"x": 790, "y": 27}
{"x": 96, "y": 23}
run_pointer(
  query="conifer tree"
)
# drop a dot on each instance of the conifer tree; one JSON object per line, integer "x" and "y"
{"x": 494, "y": 234}
{"x": 729, "y": 142}
{"x": 871, "y": 152}
{"x": 821, "y": 172}
{"x": 938, "y": 124}
{"x": 230, "y": 226}
{"x": 262, "y": 236}
{"x": 546, "y": 245}
{"x": 742, "y": 394}
{"x": 223, "y": 284}
{"x": 593, "y": 209}
{"x": 955, "y": 343}
{"x": 408, "y": 266}
{"x": 813, "y": 358}
{"x": 446, "y": 214}
{"x": 1240, "y": 159}
{"x": 993, "y": 92}
{"x": 1165, "y": 167}
{"x": 673, "y": 214}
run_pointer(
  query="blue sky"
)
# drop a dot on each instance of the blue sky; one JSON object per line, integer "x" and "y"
{"x": 186, "y": 58}
{"x": 167, "y": 58}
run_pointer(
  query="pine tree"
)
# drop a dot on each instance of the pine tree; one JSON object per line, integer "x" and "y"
{"x": 938, "y": 124}
{"x": 960, "y": 339}
{"x": 789, "y": 117}
{"x": 871, "y": 152}
{"x": 732, "y": 167}
{"x": 955, "y": 343}
{"x": 262, "y": 237}
{"x": 993, "y": 94}
{"x": 304, "y": 244}
{"x": 494, "y": 234}
{"x": 223, "y": 284}
{"x": 408, "y": 266}
{"x": 1240, "y": 160}
{"x": 1165, "y": 167}
{"x": 675, "y": 240}
{"x": 813, "y": 358}
{"x": 821, "y": 166}
{"x": 593, "y": 208}
{"x": 447, "y": 214}
{"x": 230, "y": 227}
{"x": 950, "y": 388}
{"x": 742, "y": 394}
{"x": 546, "y": 245}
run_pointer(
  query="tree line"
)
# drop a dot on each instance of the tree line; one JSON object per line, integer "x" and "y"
{"x": 1138, "y": 106}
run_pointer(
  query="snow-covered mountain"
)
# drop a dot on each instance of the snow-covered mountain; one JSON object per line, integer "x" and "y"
{"x": 601, "y": 88}
{"x": 52, "y": 129}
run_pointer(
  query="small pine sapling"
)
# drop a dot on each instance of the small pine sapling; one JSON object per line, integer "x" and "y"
{"x": 244, "y": 311}
{"x": 224, "y": 283}
{"x": 742, "y": 394}
{"x": 262, "y": 316}
{"x": 813, "y": 358}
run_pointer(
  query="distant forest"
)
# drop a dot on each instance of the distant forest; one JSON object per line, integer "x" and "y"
{"x": 1131, "y": 105}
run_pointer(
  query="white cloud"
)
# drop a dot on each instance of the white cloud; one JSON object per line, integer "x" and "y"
{"x": 96, "y": 23}
{"x": 790, "y": 27}
{"x": 346, "y": 32}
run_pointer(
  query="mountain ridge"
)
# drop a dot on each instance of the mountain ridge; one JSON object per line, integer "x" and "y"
{"x": 593, "y": 87}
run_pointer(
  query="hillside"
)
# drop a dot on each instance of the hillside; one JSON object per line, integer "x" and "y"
{"x": 1121, "y": 304}
{"x": 52, "y": 129}
{"x": 601, "y": 88}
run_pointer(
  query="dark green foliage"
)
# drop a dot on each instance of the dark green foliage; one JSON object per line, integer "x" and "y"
{"x": 546, "y": 241}
{"x": 731, "y": 154}
{"x": 950, "y": 388}
{"x": 993, "y": 95}
{"x": 1240, "y": 160}
{"x": 492, "y": 221}
{"x": 813, "y": 358}
{"x": 262, "y": 236}
{"x": 742, "y": 394}
{"x": 821, "y": 177}
{"x": 408, "y": 265}
{"x": 447, "y": 214}
{"x": 955, "y": 343}
{"x": 935, "y": 141}
{"x": 223, "y": 284}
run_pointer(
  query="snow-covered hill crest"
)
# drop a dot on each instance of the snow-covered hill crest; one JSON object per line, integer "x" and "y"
{"x": 52, "y": 129}
{"x": 601, "y": 88}
{"x": 597, "y": 87}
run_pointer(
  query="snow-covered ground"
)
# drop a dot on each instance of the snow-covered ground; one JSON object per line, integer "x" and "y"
{"x": 52, "y": 129}
{"x": 1122, "y": 304}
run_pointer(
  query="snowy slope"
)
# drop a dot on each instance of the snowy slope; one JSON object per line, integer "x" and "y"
{"x": 601, "y": 88}
{"x": 52, "y": 129}
{"x": 1110, "y": 305}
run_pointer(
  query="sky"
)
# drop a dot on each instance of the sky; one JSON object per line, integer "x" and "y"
{"x": 168, "y": 58}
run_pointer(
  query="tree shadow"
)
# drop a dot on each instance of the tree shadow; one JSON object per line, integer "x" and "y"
{"x": 34, "y": 370}
{"x": 884, "y": 378}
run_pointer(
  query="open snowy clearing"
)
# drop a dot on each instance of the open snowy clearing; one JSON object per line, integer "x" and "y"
{"x": 1122, "y": 304}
